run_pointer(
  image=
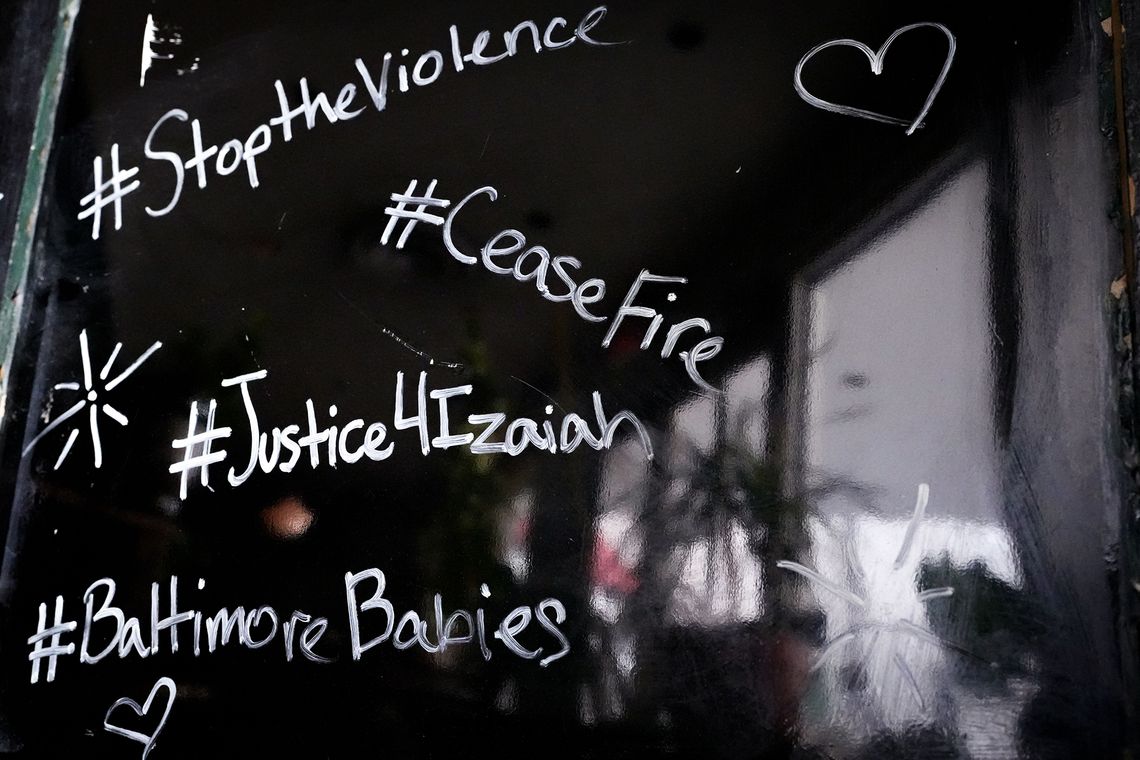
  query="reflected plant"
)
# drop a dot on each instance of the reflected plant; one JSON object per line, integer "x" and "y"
{"x": 996, "y": 618}
{"x": 701, "y": 494}
{"x": 881, "y": 633}
{"x": 458, "y": 549}
{"x": 704, "y": 495}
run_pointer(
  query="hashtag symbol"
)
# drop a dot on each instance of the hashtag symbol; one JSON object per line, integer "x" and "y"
{"x": 43, "y": 633}
{"x": 415, "y": 215}
{"x": 94, "y": 202}
{"x": 199, "y": 455}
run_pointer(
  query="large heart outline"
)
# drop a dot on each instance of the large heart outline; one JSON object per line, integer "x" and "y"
{"x": 876, "y": 58}
{"x": 137, "y": 736}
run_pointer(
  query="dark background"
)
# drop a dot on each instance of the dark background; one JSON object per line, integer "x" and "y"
{"x": 687, "y": 152}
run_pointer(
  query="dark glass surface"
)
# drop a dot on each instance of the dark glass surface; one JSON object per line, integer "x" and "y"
{"x": 885, "y": 528}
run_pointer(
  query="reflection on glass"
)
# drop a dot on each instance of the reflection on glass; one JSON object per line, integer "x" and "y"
{"x": 850, "y": 554}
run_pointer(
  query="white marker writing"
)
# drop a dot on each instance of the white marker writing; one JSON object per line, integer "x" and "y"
{"x": 506, "y": 253}
{"x": 329, "y": 443}
{"x": 703, "y": 350}
{"x": 378, "y": 615}
{"x": 314, "y": 107}
{"x": 580, "y": 295}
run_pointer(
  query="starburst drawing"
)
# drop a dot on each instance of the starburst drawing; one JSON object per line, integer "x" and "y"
{"x": 876, "y": 627}
{"x": 90, "y": 400}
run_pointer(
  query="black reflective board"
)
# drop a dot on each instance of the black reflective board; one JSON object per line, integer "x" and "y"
{"x": 850, "y": 495}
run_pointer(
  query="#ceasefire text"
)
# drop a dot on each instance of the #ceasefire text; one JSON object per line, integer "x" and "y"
{"x": 536, "y": 263}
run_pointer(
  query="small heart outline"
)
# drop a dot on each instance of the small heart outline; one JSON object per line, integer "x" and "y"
{"x": 148, "y": 741}
{"x": 876, "y": 58}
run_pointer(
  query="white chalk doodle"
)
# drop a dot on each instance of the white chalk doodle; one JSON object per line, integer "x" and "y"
{"x": 90, "y": 400}
{"x": 150, "y": 36}
{"x": 147, "y": 740}
{"x": 151, "y": 43}
{"x": 874, "y": 627}
{"x": 876, "y": 58}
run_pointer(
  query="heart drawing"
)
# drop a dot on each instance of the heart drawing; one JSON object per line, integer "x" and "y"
{"x": 146, "y": 740}
{"x": 876, "y": 58}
